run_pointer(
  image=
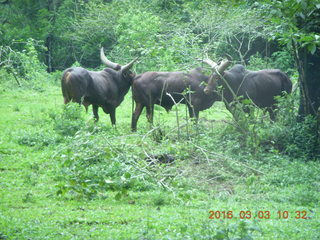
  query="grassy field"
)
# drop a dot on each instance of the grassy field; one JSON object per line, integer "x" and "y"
{"x": 64, "y": 177}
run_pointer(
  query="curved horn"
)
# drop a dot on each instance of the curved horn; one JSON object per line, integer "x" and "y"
{"x": 223, "y": 66}
{"x": 129, "y": 65}
{"x": 208, "y": 61}
{"x": 228, "y": 56}
{"x": 217, "y": 71}
{"x": 107, "y": 62}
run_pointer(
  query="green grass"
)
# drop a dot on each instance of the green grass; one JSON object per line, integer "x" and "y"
{"x": 96, "y": 183}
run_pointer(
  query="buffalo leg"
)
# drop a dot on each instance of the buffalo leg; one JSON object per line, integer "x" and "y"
{"x": 66, "y": 100}
{"x": 113, "y": 116}
{"x": 95, "y": 112}
{"x": 150, "y": 113}
{"x": 193, "y": 113}
{"x": 135, "y": 116}
{"x": 272, "y": 113}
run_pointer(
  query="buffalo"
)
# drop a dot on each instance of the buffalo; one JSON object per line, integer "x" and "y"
{"x": 105, "y": 89}
{"x": 168, "y": 88}
{"x": 261, "y": 87}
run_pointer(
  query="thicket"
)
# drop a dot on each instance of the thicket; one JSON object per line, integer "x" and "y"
{"x": 169, "y": 34}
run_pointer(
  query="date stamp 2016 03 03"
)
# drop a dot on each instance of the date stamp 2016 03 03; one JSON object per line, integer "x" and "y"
{"x": 258, "y": 215}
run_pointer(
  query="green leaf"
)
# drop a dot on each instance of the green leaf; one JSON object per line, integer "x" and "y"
{"x": 302, "y": 16}
{"x": 312, "y": 48}
{"x": 118, "y": 196}
{"x": 127, "y": 175}
{"x": 246, "y": 101}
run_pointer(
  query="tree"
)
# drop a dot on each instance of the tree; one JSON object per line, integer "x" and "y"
{"x": 299, "y": 26}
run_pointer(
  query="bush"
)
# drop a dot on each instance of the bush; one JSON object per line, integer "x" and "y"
{"x": 38, "y": 138}
{"x": 256, "y": 133}
{"x": 70, "y": 120}
{"x": 279, "y": 60}
{"x": 297, "y": 139}
{"x": 288, "y": 135}
{"x": 24, "y": 67}
{"x": 91, "y": 165}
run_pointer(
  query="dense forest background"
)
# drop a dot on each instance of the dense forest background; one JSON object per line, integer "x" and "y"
{"x": 170, "y": 34}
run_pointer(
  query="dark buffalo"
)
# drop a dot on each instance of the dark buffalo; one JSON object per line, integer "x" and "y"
{"x": 105, "y": 89}
{"x": 166, "y": 89}
{"x": 261, "y": 87}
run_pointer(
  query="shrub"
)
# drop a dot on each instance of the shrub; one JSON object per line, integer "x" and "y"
{"x": 91, "y": 165}
{"x": 279, "y": 60}
{"x": 38, "y": 138}
{"x": 70, "y": 120}
{"x": 255, "y": 132}
{"x": 24, "y": 67}
{"x": 290, "y": 136}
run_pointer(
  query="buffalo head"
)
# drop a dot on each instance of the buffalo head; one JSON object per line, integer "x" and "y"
{"x": 217, "y": 72}
{"x": 123, "y": 70}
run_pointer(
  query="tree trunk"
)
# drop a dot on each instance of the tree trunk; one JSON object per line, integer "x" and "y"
{"x": 48, "y": 44}
{"x": 309, "y": 82}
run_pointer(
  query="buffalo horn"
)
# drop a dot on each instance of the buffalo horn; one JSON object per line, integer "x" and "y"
{"x": 211, "y": 63}
{"x": 222, "y": 66}
{"x": 217, "y": 70}
{"x": 129, "y": 65}
{"x": 107, "y": 62}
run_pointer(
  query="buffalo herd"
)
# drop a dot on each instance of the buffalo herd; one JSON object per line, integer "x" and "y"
{"x": 107, "y": 88}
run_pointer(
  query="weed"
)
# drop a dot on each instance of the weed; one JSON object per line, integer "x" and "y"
{"x": 3, "y": 236}
{"x": 38, "y": 138}
{"x": 69, "y": 121}
{"x": 28, "y": 198}
{"x": 90, "y": 167}
{"x": 160, "y": 199}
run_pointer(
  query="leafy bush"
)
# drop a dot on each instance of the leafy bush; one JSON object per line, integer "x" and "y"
{"x": 91, "y": 165}
{"x": 290, "y": 136}
{"x": 24, "y": 67}
{"x": 297, "y": 139}
{"x": 279, "y": 60}
{"x": 38, "y": 138}
{"x": 70, "y": 120}
{"x": 256, "y": 133}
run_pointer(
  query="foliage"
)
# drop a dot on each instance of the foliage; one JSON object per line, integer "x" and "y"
{"x": 91, "y": 27}
{"x": 38, "y": 138}
{"x": 169, "y": 33}
{"x": 233, "y": 30}
{"x": 24, "y": 66}
{"x": 91, "y": 166}
{"x": 282, "y": 60}
{"x": 69, "y": 121}
{"x": 257, "y": 133}
{"x": 297, "y": 139}
{"x": 301, "y": 24}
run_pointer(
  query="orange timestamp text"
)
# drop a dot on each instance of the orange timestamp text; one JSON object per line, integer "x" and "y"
{"x": 258, "y": 215}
